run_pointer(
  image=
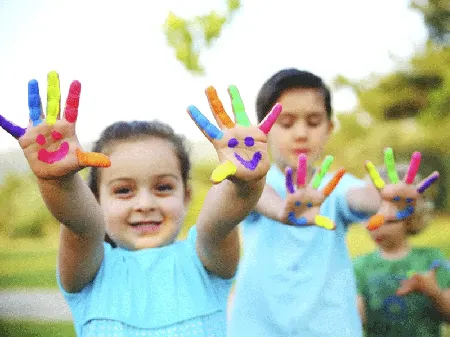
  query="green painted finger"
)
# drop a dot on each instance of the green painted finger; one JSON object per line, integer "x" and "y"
{"x": 238, "y": 106}
{"x": 53, "y": 97}
{"x": 323, "y": 171}
{"x": 389, "y": 162}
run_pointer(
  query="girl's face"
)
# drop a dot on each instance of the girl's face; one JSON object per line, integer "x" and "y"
{"x": 142, "y": 194}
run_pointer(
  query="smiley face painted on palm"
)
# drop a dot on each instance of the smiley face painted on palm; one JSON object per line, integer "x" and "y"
{"x": 48, "y": 137}
{"x": 257, "y": 156}
{"x": 51, "y": 157}
{"x": 236, "y": 140}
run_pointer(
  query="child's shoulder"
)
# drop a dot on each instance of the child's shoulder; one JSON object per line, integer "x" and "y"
{"x": 429, "y": 253}
{"x": 367, "y": 260}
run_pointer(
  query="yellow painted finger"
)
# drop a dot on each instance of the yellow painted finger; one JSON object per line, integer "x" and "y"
{"x": 222, "y": 171}
{"x": 53, "y": 97}
{"x": 324, "y": 222}
{"x": 374, "y": 175}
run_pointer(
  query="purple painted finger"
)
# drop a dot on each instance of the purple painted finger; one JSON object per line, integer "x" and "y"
{"x": 289, "y": 183}
{"x": 428, "y": 182}
{"x": 14, "y": 130}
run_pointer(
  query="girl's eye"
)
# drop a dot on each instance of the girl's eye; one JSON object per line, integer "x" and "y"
{"x": 122, "y": 190}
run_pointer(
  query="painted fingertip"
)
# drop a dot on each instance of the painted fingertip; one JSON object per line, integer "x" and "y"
{"x": 92, "y": 159}
{"x": 375, "y": 222}
{"x": 223, "y": 171}
{"x": 300, "y": 222}
{"x": 324, "y": 222}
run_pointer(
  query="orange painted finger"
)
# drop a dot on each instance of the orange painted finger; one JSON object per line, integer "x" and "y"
{"x": 217, "y": 108}
{"x": 375, "y": 222}
{"x": 92, "y": 159}
{"x": 333, "y": 182}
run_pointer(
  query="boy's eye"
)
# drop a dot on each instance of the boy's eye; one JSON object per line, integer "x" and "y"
{"x": 286, "y": 123}
{"x": 164, "y": 187}
{"x": 314, "y": 121}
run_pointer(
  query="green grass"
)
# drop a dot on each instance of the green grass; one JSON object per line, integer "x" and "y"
{"x": 13, "y": 328}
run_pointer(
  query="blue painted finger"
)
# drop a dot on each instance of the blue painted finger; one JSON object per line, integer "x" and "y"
{"x": 34, "y": 102}
{"x": 204, "y": 124}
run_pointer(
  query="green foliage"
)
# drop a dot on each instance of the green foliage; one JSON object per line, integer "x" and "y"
{"x": 437, "y": 18}
{"x": 408, "y": 109}
{"x": 23, "y": 211}
{"x": 188, "y": 37}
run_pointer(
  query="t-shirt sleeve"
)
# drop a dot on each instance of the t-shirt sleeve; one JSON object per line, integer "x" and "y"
{"x": 442, "y": 263}
{"x": 359, "y": 270}
{"x": 340, "y": 194}
{"x": 77, "y": 300}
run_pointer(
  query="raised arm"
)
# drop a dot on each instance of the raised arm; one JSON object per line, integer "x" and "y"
{"x": 55, "y": 156}
{"x": 302, "y": 204}
{"x": 239, "y": 180}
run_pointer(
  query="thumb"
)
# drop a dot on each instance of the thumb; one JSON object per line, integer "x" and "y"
{"x": 92, "y": 159}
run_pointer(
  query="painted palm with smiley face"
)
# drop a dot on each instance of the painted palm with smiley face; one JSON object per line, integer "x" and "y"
{"x": 241, "y": 147}
{"x": 50, "y": 143}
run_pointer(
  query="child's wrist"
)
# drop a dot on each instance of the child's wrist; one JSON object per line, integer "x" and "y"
{"x": 435, "y": 293}
{"x": 59, "y": 181}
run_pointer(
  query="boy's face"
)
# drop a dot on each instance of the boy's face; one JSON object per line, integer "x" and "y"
{"x": 302, "y": 127}
{"x": 390, "y": 236}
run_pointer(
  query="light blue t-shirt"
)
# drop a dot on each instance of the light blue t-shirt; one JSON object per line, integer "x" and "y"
{"x": 296, "y": 281}
{"x": 160, "y": 292}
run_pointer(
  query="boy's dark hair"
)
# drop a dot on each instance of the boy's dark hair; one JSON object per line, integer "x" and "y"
{"x": 136, "y": 130}
{"x": 286, "y": 79}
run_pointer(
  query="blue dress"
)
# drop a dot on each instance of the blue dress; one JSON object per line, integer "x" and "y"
{"x": 163, "y": 292}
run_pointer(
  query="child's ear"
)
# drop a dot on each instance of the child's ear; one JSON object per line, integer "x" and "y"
{"x": 330, "y": 126}
{"x": 187, "y": 195}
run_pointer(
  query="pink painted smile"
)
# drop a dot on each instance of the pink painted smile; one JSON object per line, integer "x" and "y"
{"x": 51, "y": 157}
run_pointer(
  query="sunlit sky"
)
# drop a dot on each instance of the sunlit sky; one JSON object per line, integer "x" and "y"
{"x": 117, "y": 50}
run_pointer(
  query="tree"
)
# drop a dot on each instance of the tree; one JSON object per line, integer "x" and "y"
{"x": 436, "y": 15}
{"x": 188, "y": 37}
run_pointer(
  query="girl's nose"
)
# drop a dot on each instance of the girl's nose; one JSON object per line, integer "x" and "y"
{"x": 145, "y": 201}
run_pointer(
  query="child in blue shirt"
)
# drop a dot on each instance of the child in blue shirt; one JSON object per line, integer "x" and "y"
{"x": 299, "y": 281}
{"x": 142, "y": 282}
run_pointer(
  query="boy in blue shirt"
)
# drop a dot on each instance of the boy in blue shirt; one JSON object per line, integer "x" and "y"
{"x": 299, "y": 281}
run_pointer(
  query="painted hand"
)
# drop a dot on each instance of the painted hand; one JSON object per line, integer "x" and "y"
{"x": 399, "y": 197}
{"x": 241, "y": 147}
{"x": 50, "y": 143}
{"x": 425, "y": 283}
{"x": 302, "y": 207}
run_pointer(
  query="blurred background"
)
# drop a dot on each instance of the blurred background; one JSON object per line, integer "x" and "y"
{"x": 387, "y": 62}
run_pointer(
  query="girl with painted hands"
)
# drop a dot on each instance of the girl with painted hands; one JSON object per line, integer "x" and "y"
{"x": 120, "y": 266}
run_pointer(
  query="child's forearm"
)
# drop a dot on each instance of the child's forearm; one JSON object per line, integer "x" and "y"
{"x": 364, "y": 199}
{"x": 227, "y": 204}
{"x": 441, "y": 301}
{"x": 72, "y": 203}
{"x": 270, "y": 204}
